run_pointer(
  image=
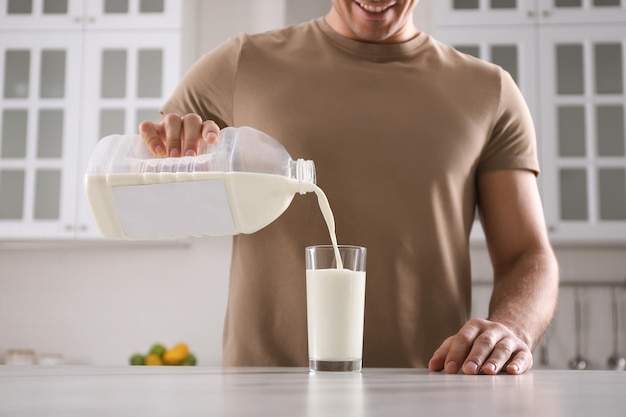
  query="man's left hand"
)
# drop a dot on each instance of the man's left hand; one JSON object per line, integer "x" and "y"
{"x": 482, "y": 346}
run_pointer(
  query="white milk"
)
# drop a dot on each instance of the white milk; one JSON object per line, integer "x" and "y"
{"x": 335, "y": 310}
{"x": 147, "y": 205}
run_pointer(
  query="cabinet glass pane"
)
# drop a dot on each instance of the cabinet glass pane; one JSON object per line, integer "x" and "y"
{"x": 14, "y": 124}
{"x": 16, "y": 73}
{"x": 20, "y": 7}
{"x": 568, "y": 3}
{"x": 506, "y": 57}
{"x": 52, "y": 84}
{"x": 570, "y": 70}
{"x": 55, "y": 6}
{"x": 464, "y": 4}
{"x": 147, "y": 114}
{"x": 573, "y": 194}
{"x": 115, "y": 6}
{"x": 50, "y": 134}
{"x": 606, "y": 2}
{"x": 571, "y": 126}
{"x": 469, "y": 50}
{"x": 11, "y": 194}
{"x": 612, "y": 193}
{"x": 47, "y": 194}
{"x": 150, "y": 73}
{"x": 151, "y": 6}
{"x": 608, "y": 66}
{"x": 610, "y": 130}
{"x": 112, "y": 121}
{"x": 113, "y": 83}
{"x": 503, "y": 4}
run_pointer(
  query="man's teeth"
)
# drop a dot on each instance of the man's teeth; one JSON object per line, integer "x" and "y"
{"x": 374, "y": 9}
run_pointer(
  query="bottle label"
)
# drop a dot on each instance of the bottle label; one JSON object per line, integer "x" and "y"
{"x": 186, "y": 208}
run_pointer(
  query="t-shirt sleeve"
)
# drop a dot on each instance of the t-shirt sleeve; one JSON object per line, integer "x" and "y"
{"x": 208, "y": 87}
{"x": 513, "y": 143}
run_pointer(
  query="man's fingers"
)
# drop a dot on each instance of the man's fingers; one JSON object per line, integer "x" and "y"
{"x": 191, "y": 126}
{"x": 484, "y": 348}
{"x": 176, "y": 136}
{"x": 460, "y": 347}
{"x": 521, "y": 362}
{"x": 172, "y": 125}
{"x": 503, "y": 353}
{"x": 210, "y": 131}
{"x": 153, "y": 138}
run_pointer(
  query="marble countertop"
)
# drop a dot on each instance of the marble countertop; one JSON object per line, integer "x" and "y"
{"x": 29, "y": 391}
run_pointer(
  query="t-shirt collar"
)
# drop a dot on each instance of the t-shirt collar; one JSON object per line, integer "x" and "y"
{"x": 373, "y": 51}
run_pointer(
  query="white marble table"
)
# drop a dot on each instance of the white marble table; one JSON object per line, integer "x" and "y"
{"x": 275, "y": 392}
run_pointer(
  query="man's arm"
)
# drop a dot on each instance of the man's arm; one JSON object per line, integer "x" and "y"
{"x": 525, "y": 281}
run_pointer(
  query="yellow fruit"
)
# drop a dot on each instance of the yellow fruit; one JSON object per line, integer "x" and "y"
{"x": 182, "y": 348}
{"x": 176, "y": 355}
{"x": 153, "y": 360}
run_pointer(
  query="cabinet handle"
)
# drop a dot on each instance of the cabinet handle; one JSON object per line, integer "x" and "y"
{"x": 77, "y": 19}
{"x": 69, "y": 227}
{"x": 91, "y": 19}
{"x": 531, "y": 14}
{"x": 546, "y": 13}
{"x": 551, "y": 229}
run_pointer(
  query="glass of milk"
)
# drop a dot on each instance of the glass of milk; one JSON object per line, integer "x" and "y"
{"x": 335, "y": 307}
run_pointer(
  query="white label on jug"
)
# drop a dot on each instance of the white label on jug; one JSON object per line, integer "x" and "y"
{"x": 163, "y": 209}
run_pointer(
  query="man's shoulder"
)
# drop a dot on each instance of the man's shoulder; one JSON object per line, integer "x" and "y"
{"x": 287, "y": 34}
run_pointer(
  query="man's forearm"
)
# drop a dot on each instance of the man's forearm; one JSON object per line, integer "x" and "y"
{"x": 525, "y": 295}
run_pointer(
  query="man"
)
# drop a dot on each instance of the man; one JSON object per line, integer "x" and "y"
{"x": 408, "y": 137}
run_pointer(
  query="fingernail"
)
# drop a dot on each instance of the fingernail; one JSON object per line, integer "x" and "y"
{"x": 473, "y": 366}
{"x": 190, "y": 152}
{"x": 175, "y": 153}
{"x": 490, "y": 367}
{"x": 211, "y": 136}
{"x": 451, "y": 367}
{"x": 160, "y": 151}
{"x": 515, "y": 367}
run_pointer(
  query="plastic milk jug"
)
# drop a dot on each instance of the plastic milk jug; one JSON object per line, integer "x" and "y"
{"x": 238, "y": 185}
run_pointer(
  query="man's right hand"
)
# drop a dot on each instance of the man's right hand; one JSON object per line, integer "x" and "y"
{"x": 175, "y": 135}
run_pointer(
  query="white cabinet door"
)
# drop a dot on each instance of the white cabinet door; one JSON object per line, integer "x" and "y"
{"x": 132, "y": 14}
{"x": 39, "y": 111}
{"x": 583, "y": 104}
{"x": 507, "y": 12}
{"x": 582, "y": 11}
{"x": 89, "y": 14}
{"x": 40, "y": 14}
{"x": 485, "y": 12}
{"x": 65, "y": 85}
{"x": 128, "y": 76}
{"x": 513, "y": 49}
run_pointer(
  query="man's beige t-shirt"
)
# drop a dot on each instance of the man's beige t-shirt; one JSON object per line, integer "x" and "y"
{"x": 399, "y": 134}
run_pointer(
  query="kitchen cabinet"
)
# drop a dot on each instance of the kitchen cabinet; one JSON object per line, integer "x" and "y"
{"x": 89, "y": 14}
{"x": 572, "y": 76}
{"x": 508, "y": 12}
{"x": 67, "y": 81}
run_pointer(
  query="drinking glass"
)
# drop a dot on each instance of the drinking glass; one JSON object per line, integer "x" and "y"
{"x": 335, "y": 307}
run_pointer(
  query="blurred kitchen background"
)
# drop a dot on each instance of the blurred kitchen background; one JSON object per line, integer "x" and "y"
{"x": 73, "y": 71}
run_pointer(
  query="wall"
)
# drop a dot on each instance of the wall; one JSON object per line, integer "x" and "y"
{"x": 97, "y": 303}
